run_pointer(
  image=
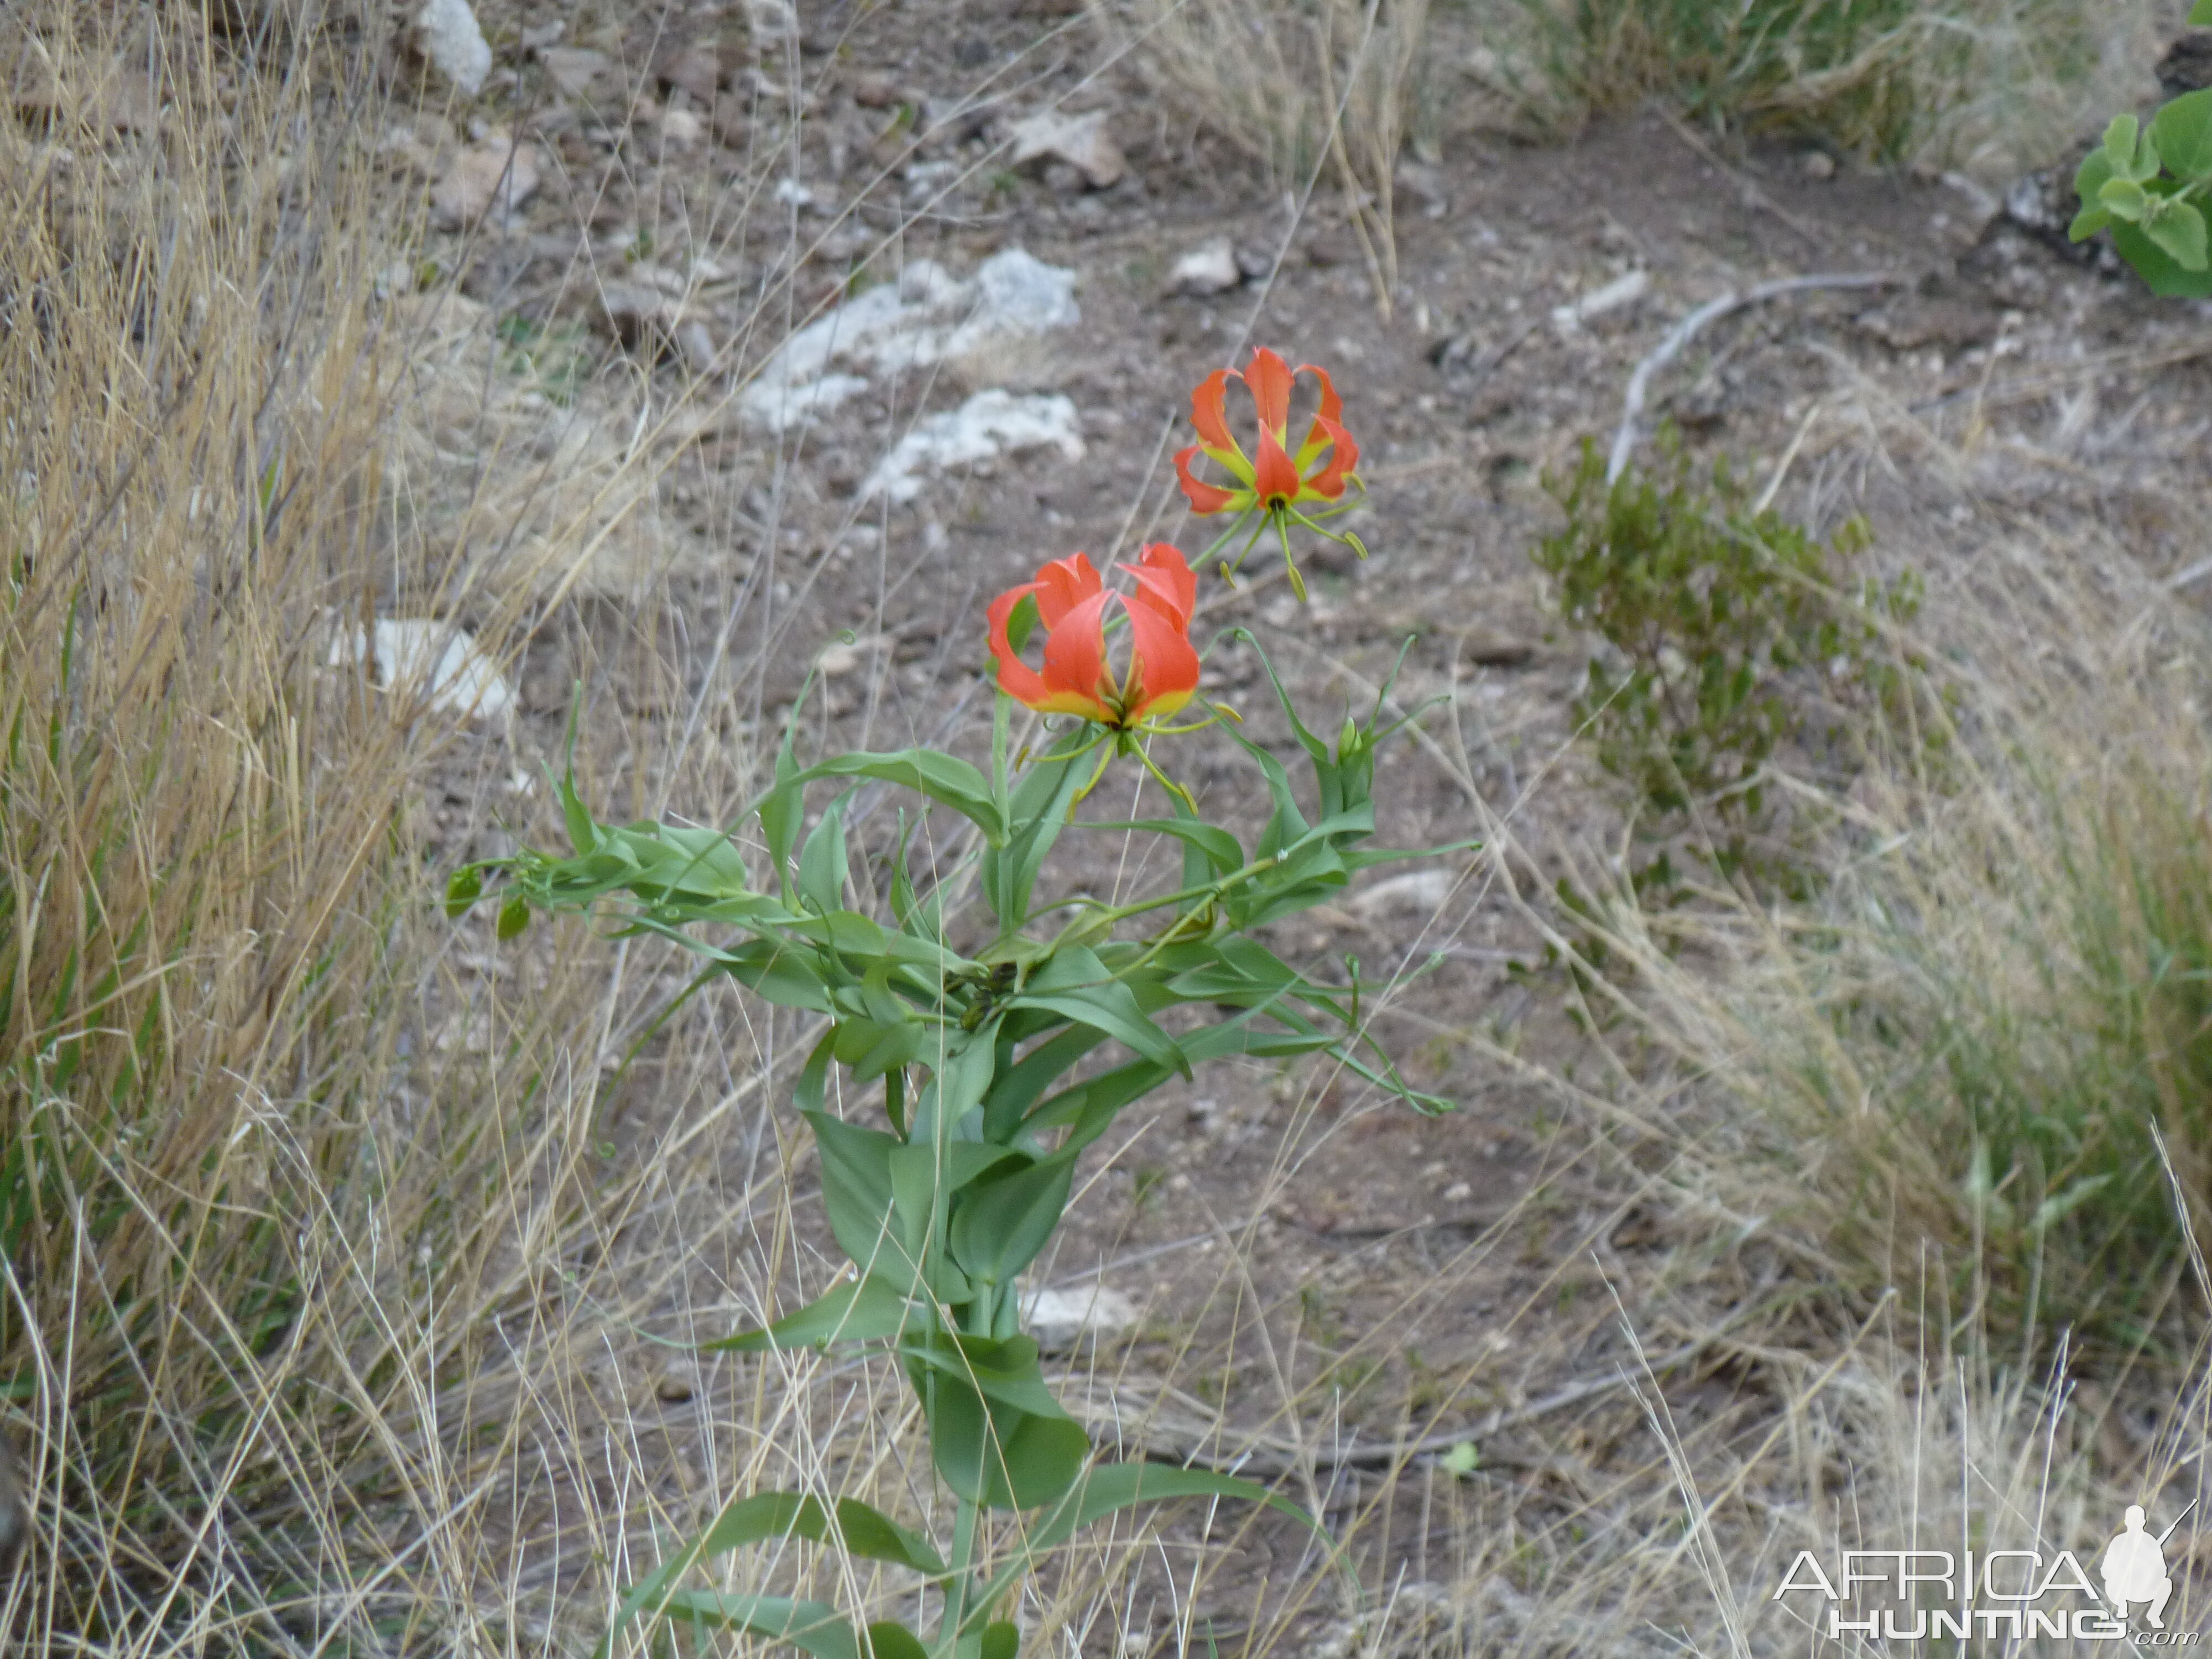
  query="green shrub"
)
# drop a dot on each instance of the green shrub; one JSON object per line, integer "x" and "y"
{"x": 1735, "y": 635}
{"x": 1995, "y": 85}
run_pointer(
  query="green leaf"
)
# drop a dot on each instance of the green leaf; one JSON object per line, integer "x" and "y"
{"x": 770, "y": 969}
{"x": 2119, "y": 145}
{"x": 2180, "y": 231}
{"x": 1036, "y": 815}
{"x": 2161, "y": 273}
{"x": 514, "y": 918}
{"x": 1023, "y": 622}
{"x": 1075, "y": 985}
{"x": 1111, "y": 1487}
{"x": 946, "y": 779}
{"x": 2183, "y": 133}
{"x": 2200, "y": 14}
{"x": 822, "y": 866}
{"x": 812, "y": 1628}
{"x": 1000, "y": 1641}
{"x": 863, "y": 1309}
{"x": 1217, "y": 849}
{"x": 1462, "y": 1459}
{"x": 1016, "y": 1088}
{"x": 856, "y": 1191}
{"x": 995, "y": 1454}
{"x": 583, "y": 834}
{"x": 2087, "y": 223}
{"x": 1001, "y": 1224}
{"x": 2062, "y": 1204}
{"x": 2123, "y": 198}
{"x": 887, "y": 1639}
{"x": 463, "y": 888}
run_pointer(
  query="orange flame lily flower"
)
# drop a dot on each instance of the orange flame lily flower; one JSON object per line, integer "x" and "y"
{"x": 1277, "y": 479}
{"x": 1071, "y": 606}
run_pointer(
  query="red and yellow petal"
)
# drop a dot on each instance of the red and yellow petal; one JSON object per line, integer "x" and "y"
{"x": 1206, "y": 498}
{"x": 1275, "y": 478}
{"x": 1164, "y": 583}
{"x": 1016, "y": 678}
{"x": 1075, "y": 671}
{"x": 1269, "y": 377}
{"x": 1206, "y": 404}
{"x": 1331, "y": 414}
{"x": 1163, "y": 666}
{"x": 1063, "y": 584}
{"x": 1343, "y": 461}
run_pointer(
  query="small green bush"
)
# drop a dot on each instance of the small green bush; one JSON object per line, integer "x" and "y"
{"x": 1733, "y": 633}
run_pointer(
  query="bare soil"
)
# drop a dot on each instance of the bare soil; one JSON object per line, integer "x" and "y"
{"x": 1325, "y": 1275}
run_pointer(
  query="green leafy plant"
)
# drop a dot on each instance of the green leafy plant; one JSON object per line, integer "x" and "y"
{"x": 1732, "y": 631}
{"x": 2147, "y": 185}
{"x": 997, "y": 1064}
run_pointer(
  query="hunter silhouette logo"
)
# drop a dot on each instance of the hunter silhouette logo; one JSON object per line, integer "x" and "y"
{"x": 2017, "y": 1594}
{"x": 2134, "y": 1568}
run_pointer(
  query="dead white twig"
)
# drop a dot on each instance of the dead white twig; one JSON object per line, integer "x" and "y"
{"x": 1680, "y": 336}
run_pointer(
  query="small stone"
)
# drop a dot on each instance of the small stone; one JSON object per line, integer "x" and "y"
{"x": 1209, "y": 268}
{"x": 1063, "y": 179}
{"x": 842, "y": 657}
{"x": 874, "y": 91}
{"x": 1421, "y": 892}
{"x": 643, "y": 318}
{"x": 681, "y": 130}
{"x": 771, "y": 21}
{"x": 676, "y": 1385}
{"x": 1255, "y": 261}
{"x": 695, "y": 70}
{"x": 447, "y": 35}
{"x": 697, "y": 346}
{"x": 1080, "y": 141}
{"x": 1818, "y": 164}
{"x": 1458, "y": 1193}
{"x": 576, "y": 71}
{"x": 1060, "y": 1320}
{"x": 495, "y": 173}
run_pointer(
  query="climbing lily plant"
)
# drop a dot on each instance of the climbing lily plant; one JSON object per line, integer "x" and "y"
{"x": 993, "y": 1063}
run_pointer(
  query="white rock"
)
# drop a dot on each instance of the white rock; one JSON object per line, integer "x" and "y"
{"x": 433, "y": 661}
{"x": 1423, "y": 892}
{"x": 1209, "y": 268}
{"x": 924, "y": 318}
{"x": 1058, "y": 1320}
{"x": 1082, "y": 141}
{"x": 447, "y": 34}
{"x": 994, "y": 422}
{"x": 494, "y": 172}
{"x": 1624, "y": 291}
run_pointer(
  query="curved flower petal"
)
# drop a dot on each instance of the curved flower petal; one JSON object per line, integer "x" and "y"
{"x": 1330, "y": 414}
{"x": 1016, "y": 678}
{"x": 1076, "y": 677}
{"x": 1275, "y": 480}
{"x": 1343, "y": 460}
{"x": 1163, "y": 666}
{"x": 1269, "y": 377}
{"x": 1206, "y": 498}
{"x": 1207, "y": 402}
{"x": 1164, "y": 583}
{"x": 1063, "y": 584}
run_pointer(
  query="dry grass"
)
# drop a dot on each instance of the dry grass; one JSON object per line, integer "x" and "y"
{"x": 351, "y": 1276}
{"x": 1991, "y": 86}
{"x": 1328, "y": 93}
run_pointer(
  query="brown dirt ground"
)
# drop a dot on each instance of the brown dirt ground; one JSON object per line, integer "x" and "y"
{"x": 1413, "y": 1277}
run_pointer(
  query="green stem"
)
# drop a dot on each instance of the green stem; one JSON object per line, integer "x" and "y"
{"x": 957, "y": 1587}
